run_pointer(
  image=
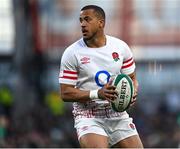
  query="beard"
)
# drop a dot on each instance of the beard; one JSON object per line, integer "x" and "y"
{"x": 91, "y": 37}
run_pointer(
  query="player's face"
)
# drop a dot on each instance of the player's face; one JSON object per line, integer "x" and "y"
{"x": 90, "y": 24}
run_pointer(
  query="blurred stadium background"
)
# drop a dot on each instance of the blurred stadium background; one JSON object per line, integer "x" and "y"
{"x": 33, "y": 36}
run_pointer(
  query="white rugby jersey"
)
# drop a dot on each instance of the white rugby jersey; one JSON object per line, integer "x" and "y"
{"x": 90, "y": 68}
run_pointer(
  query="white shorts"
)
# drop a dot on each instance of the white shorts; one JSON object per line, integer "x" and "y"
{"x": 115, "y": 129}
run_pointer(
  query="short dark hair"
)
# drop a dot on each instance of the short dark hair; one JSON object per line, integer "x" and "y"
{"x": 99, "y": 11}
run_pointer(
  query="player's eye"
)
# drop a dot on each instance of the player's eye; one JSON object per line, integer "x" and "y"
{"x": 80, "y": 20}
{"x": 88, "y": 19}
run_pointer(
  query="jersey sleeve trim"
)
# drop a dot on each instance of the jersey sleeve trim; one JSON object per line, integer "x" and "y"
{"x": 68, "y": 77}
{"x": 67, "y": 81}
{"x": 70, "y": 72}
{"x": 129, "y": 69}
{"x": 128, "y": 63}
{"x": 130, "y": 59}
{"x": 128, "y": 66}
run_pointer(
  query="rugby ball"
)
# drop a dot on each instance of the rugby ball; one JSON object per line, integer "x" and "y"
{"x": 125, "y": 89}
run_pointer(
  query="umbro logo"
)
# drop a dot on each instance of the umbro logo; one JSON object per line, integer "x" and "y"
{"x": 85, "y": 60}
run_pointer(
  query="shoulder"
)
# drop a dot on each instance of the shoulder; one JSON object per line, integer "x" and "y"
{"x": 117, "y": 41}
{"x": 73, "y": 48}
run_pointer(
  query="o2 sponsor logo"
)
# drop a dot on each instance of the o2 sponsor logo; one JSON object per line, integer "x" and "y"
{"x": 102, "y": 77}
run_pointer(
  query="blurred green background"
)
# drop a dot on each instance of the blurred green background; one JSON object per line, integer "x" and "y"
{"x": 35, "y": 33}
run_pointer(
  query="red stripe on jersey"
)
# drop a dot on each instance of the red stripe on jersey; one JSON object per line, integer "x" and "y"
{"x": 70, "y": 72}
{"x": 126, "y": 66}
{"x": 68, "y": 77}
{"x": 127, "y": 60}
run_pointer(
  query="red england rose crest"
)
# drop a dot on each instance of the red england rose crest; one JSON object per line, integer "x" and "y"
{"x": 115, "y": 56}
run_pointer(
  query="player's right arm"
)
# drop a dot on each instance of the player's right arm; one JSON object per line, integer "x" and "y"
{"x": 71, "y": 94}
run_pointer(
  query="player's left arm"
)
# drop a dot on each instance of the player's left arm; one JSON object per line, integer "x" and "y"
{"x": 128, "y": 68}
{"x": 136, "y": 85}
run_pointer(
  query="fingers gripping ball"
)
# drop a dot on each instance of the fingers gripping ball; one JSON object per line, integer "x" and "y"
{"x": 125, "y": 89}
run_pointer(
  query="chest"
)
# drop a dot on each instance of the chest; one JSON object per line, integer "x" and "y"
{"x": 91, "y": 61}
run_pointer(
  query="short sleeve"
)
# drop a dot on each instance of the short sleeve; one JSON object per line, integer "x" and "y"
{"x": 128, "y": 66}
{"x": 68, "y": 68}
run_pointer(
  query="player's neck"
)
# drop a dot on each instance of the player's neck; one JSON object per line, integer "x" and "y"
{"x": 96, "y": 42}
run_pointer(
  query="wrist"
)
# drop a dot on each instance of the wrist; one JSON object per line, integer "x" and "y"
{"x": 93, "y": 94}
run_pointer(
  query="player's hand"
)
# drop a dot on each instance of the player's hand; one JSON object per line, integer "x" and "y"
{"x": 108, "y": 92}
{"x": 134, "y": 98}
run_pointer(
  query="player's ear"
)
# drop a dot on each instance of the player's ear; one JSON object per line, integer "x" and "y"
{"x": 102, "y": 23}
